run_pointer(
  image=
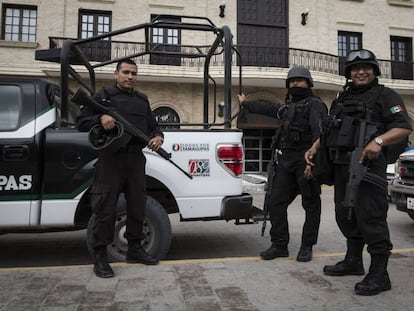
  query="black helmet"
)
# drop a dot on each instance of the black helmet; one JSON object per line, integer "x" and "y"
{"x": 108, "y": 141}
{"x": 299, "y": 72}
{"x": 361, "y": 57}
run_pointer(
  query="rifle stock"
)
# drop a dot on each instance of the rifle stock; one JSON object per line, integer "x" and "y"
{"x": 81, "y": 98}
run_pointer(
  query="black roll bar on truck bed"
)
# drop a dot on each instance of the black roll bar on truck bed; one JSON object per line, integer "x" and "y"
{"x": 71, "y": 54}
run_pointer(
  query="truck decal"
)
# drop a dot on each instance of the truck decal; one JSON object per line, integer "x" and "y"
{"x": 199, "y": 167}
{"x": 190, "y": 147}
{"x": 39, "y": 123}
{"x": 15, "y": 183}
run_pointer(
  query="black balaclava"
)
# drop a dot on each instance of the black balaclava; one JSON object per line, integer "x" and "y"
{"x": 299, "y": 93}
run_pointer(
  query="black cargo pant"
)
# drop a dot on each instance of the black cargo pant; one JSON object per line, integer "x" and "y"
{"x": 369, "y": 218}
{"x": 118, "y": 172}
{"x": 288, "y": 182}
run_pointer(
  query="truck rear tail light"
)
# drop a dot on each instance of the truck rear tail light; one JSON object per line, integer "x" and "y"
{"x": 231, "y": 158}
{"x": 402, "y": 170}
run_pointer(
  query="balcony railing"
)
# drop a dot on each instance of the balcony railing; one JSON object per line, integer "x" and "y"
{"x": 258, "y": 56}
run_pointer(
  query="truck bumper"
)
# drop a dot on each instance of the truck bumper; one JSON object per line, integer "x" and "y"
{"x": 237, "y": 207}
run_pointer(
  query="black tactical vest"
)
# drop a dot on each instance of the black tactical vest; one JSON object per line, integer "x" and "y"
{"x": 295, "y": 130}
{"x": 342, "y": 125}
{"x": 133, "y": 107}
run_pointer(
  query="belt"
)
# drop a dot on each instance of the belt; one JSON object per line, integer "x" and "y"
{"x": 339, "y": 156}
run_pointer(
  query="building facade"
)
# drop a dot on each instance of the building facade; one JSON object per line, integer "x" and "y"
{"x": 271, "y": 36}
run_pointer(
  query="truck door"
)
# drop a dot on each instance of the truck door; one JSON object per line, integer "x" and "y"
{"x": 19, "y": 144}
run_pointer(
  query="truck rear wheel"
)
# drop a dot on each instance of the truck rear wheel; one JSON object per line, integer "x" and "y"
{"x": 157, "y": 230}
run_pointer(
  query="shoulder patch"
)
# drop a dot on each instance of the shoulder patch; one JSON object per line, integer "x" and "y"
{"x": 396, "y": 109}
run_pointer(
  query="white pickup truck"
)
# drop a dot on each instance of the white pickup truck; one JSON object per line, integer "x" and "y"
{"x": 46, "y": 165}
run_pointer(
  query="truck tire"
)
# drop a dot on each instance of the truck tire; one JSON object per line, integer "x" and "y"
{"x": 157, "y": 230}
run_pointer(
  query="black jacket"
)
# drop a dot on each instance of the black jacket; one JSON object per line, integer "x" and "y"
{"x": 133, "y": 106}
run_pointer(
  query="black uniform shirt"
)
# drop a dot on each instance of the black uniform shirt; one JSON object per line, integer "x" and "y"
{"x": 388, "y": 110}
{"x": 393, "y": 110}
{"x": 133, "y": 106}
{"x": 317, "y": 111}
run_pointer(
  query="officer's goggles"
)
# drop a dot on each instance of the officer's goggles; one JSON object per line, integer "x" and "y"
{"x": 359, "y": 55}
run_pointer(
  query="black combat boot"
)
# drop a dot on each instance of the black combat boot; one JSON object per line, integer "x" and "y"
{"x": 377, "y": 280}
{"x": 274, "y": 251}
{"x": 101, "y": 266}
{"x": 351, "y": 265}
{"x": 305, "y": 253}
{"x": 136, "y": 254}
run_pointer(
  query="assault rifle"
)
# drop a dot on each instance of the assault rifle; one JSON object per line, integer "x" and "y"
{"x": 270, "y": 176}
{"x": 359, "y": 171}
{"x": 269, "y": 187}
{"x": 81, "y": 98}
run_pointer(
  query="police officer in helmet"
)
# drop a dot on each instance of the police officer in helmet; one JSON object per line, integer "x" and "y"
{"x": 300, "y": 115}
{"x": 363, "y": 101}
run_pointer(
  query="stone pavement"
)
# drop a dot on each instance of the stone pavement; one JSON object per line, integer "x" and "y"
{"x": 246, "y": 283}
{"x": 240, "y": 282}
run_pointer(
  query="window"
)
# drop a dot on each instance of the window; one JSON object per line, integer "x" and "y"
{"x": 262, "y": 32}
{"x": 347, "y": 41}
{"x": 164, "y": 41}
{"x": 167, "y": 115}
{"x": 19, "y": 23}
{"x": 93, "y": 23}
{"x": 72, "y": 109}
{"x": 258, "y": 153}
{"x": 10, "y": 107}
{"x": 401, "y": 58}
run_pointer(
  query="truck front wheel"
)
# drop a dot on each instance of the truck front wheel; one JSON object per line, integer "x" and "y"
{"x": 157, "y": 230}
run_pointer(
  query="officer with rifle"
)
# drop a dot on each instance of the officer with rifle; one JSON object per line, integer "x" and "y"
{"x": 362, "y": 133}
{"x": 121, "y": 169}
{"x": 289, "y": 174}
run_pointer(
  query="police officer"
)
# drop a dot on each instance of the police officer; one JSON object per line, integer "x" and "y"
{"x": 122, "y": 170}
{"x": 363, "y": 100}
{"x": 300, "y": 115}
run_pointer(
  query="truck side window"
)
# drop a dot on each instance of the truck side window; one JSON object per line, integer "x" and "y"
{"x": 73, "y": 112}
{"x": 73, "y": 109}
{"x": 9, "y": 107}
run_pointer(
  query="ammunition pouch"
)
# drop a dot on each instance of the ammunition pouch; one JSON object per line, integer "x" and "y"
{"x": 342, "y": 133}
{"x": 108, "y": 141}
